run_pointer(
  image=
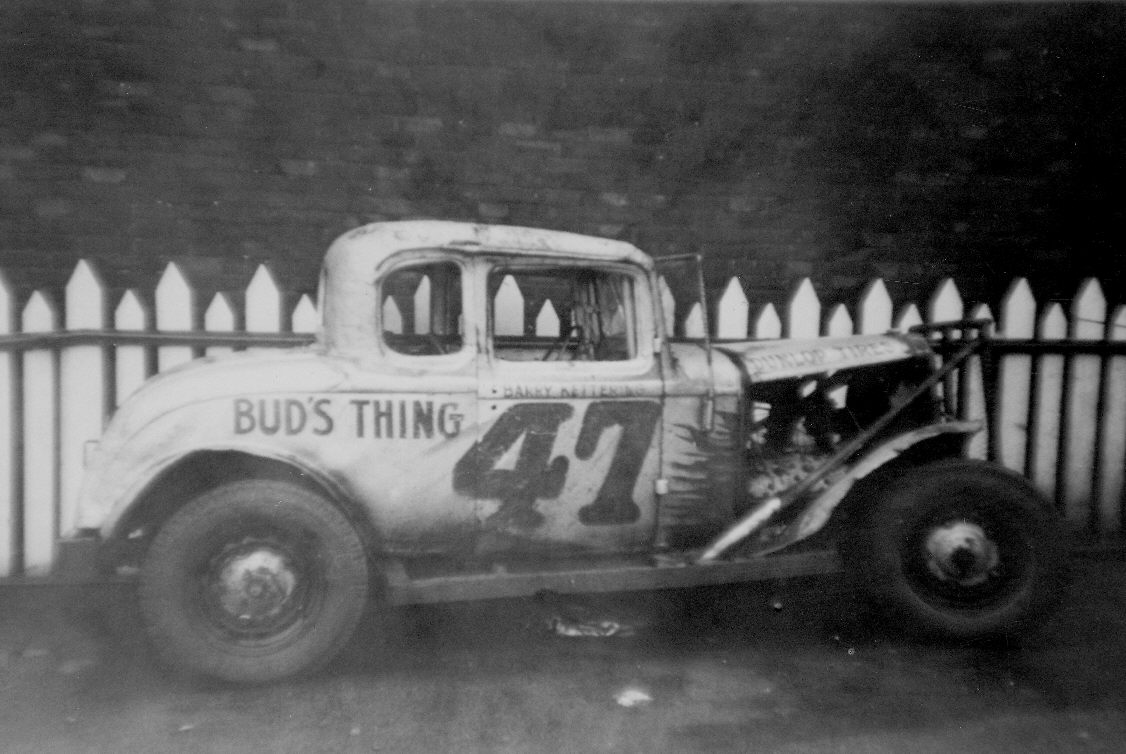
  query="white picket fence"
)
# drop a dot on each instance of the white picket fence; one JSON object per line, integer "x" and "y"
{"x": 1061, "y": 417}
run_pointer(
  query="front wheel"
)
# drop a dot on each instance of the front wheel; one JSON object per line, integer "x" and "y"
{"x": 253, "y": 581}
{"x": 960, "y": 549}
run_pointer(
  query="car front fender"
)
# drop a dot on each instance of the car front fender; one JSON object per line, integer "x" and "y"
{"x": 818, "y": 510}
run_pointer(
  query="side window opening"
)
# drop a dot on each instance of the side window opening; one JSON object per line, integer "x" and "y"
{"x": 422, "y": 309}
{"x": 562, "y": 314}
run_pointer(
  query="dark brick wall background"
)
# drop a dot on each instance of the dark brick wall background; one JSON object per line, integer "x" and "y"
{"x": 840, "y": 141}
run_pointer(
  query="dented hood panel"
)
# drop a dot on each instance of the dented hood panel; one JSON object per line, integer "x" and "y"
{"x": 767, "y": 360}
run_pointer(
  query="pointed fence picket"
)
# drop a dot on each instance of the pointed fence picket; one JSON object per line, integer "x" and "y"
{"x": 874, "y": 310}
{"x": 768, "y": 325}
{"x": 547, "y": 321}
{"x": 508, "y": 308}
{"x": 219, "y": 317}
{"x": 40, "y": 441}
{"x": 946, "y": 303}
{"x": 307, "y": 320}
{"x": 1060, "y": 415}
{"x": 1112, "y": 432}
{"x": 82, "y": 376}
{"x": 694, "y": 326}
{"x": 972, "y": 397}
{"x": 175, "y": 311}
{"x": 9, "y": 489}
{"x": 803, "y": 312}
{"x": 1045, "y": 419}
{"x": 263, "y": 304}
{"x": 732, "y": 312}
{"x": 839, "y": 323}
{"x": 1088, "y": 322}
{"x": 392, "y": 316}
{"x": 908, "y": 317}
{"x": 1014, "y": 391}
{"x": 130, "y": 361}
{"x": 422, "y": 306}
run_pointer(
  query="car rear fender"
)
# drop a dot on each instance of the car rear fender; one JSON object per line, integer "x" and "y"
{"x": 185, "y": 476}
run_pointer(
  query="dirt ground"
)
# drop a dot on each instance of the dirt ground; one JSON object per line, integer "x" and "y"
{"x": 787, "y": 667}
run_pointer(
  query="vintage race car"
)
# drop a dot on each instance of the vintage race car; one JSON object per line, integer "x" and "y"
{"x": 439, "y": 442}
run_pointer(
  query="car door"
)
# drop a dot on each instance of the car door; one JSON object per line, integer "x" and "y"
{"x": 411, "y": 409}
{"x": 570, "y": 408}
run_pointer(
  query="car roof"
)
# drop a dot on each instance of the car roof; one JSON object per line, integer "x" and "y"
{"x": 360, "y": 251}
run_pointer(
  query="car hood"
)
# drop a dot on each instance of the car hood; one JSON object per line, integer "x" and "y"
{"x": 766, "y": 360}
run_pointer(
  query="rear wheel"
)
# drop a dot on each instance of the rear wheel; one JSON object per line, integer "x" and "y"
{"x": 960, "y": 549}
{"x": 253, "y": 581}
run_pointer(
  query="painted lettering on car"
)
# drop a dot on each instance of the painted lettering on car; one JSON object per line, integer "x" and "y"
{"x": 372, "y": 418}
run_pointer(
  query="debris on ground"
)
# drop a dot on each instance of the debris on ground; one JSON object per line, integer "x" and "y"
{"x": 578, "y": 618}
{"x": 561, "y": 626}
{"x": 633, "y": 697}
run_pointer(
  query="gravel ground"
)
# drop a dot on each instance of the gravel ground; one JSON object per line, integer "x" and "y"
{"x": 768, "y": 667}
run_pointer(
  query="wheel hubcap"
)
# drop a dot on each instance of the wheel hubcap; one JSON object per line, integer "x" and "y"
{"x": 961, "y": 552}
{"x": 253, "y": 587}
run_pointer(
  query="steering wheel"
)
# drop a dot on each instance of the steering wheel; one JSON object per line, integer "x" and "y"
{"x": 438, "y": 346}
{"x": 575, "y": 333}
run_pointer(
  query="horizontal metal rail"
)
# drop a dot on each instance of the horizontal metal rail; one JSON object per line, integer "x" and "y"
{"x": 1061, "y": 347}
{"x": 64, "y": 338}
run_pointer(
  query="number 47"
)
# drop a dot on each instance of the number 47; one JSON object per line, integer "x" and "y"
{"x": 536, "y": 475}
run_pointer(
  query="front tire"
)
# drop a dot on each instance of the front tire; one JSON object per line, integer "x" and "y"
{"x": 252, "y": 582}
{"x": 958, "y": 549}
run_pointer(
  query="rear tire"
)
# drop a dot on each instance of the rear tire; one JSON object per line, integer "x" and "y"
{"x": 958, "y": 549}
{"x": 252, "y": 582}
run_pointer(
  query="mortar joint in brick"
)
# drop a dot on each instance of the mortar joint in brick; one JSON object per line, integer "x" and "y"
{"x": 93, "y": 174}
{"x": 259, "y": 45}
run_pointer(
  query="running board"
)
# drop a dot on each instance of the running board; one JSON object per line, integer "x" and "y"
{"x": 503, "y": 582}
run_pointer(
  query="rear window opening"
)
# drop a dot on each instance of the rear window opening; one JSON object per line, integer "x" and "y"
{"x": 421, "y": 309}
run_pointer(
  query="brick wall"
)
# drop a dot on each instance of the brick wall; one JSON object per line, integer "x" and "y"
{"x": 840, "y": 141}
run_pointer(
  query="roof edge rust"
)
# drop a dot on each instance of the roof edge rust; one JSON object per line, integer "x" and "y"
{"x": 365, "y": 248}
